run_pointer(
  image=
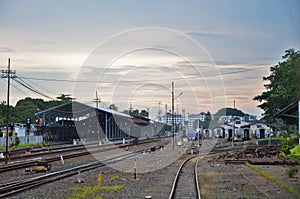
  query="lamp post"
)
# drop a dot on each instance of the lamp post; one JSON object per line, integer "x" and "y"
{"x": 173, "y": 122}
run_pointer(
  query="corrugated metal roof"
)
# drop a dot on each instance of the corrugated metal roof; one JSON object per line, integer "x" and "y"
{"x": 288, "y": 111}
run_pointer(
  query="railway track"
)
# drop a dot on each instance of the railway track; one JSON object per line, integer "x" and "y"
{"x": 46, "y": 152}
{"x": 15, "y": 187}
{"x": 72, "y": 154}
{"x": 18, "y": 154}
{"x": 186, "y": 183}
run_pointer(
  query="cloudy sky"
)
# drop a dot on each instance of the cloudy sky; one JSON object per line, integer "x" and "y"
{"x": 130, "y": 51}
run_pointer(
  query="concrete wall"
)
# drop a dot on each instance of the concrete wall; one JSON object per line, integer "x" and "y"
{"x": 23, "y": 140}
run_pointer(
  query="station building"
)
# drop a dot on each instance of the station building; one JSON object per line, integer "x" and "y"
{"x": 75, "y": 120}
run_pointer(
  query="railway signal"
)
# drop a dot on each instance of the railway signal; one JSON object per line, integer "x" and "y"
{"x": 11, "y": 127}
{"x": 28, "y": 124}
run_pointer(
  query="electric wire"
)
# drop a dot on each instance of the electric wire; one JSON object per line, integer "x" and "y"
{"x": 28, "y": 84}
{"x": 31, "y": 82}
{"x": 136, "y": 81}
{"x": 18, "y": 89}
{"x": 32, "y": 89}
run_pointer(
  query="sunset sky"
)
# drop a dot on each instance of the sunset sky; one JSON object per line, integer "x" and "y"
{"x": 130, "y": 51}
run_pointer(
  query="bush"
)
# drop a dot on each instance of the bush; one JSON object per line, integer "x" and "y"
{"x": 17, "y": 141}
{"x": 287, "y": 145}
{"x": 295, "y": 150}
{"x": 291, "y": 172}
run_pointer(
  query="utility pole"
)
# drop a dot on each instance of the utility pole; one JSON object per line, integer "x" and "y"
{"x": 159, "y": 111}
{"x": 166, "y": 108}
{"x": 97, "y": 100}
{"x": 173, "y": 123}
{"x": 234, "y": 103}
{"x": 7, "y": 74}
{"x": 130, "y": 109}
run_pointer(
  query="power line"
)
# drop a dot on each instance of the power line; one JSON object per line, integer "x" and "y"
{"x": 18, "y": 89}
{"x": 32, "y": 82}
{"x": 32, "y": 89}
{"x": 136, "y": 81}
{"x": 22, "y": 82}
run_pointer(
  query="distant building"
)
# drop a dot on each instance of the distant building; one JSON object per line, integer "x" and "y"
{"x": 245, "y": 118}
{"x": 177, "y": 119}
{"x": 250, "y": 118}
{"x": 193, "y": 117}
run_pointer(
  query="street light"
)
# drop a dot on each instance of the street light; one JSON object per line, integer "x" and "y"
{"x": 173, "y": 122}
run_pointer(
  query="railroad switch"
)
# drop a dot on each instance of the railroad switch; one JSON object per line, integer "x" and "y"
{"x": 41, "y": 166}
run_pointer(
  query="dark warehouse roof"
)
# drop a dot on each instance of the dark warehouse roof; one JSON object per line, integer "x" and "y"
{"x": 288, "y": 111}
{"x": 74, "y": 109}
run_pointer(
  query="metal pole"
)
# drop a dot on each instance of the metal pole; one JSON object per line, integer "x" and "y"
{"x": 106, "y": 135}
{"x": 173, "y": 124}
{"x": 7, "y": 114}
{"x": 233, "y": 132}
{"x": 97, "y": 100}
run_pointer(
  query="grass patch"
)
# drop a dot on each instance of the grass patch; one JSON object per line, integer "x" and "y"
{"x": 292, "y": 172}
{"x": 114, "y": 178}
{"x": 85, "y": 191}
{"x": 273, "y": 179}
{"x": 272, "y": 138}
{"x": 29, "y": 145}
{"x": 21, "y": 145}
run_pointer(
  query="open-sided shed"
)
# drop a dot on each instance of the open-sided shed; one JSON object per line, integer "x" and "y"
{"x": 291, "y": 112}
{"x": 74, "y": 120}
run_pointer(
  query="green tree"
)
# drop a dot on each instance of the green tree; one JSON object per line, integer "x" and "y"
{"x": 207, "y": 120}
{"x": 126, "y": 112}
{"x": 3, "y": 110}
{"x": 228, "y": 111}
{"x": 113, "y": 107}
{"x": 135, "y": 112}
{"x": 144, "y": 113}
{"x": 23, "y": 109}
{"x": 282, "y": 86}
{"x": 28, "y": 107}
{"x": 64, "y": 98}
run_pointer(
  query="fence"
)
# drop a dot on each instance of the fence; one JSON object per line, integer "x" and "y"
{"x": 23, "y": 140}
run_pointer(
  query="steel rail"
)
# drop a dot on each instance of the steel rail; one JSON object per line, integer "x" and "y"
{"x": 175, "y": 182}
{"x": 22, "y": 185}
{"x": 32, "y": 162}
{"x": 197, "y": 180}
